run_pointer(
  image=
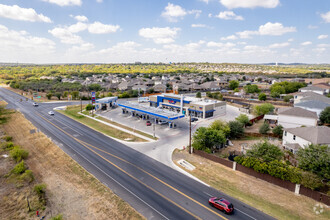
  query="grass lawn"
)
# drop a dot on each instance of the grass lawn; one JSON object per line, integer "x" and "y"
{"x": 268, "y": 198}
{"x": 72, "y": 112}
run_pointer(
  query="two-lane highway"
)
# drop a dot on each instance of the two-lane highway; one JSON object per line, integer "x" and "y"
{"x": 152, "y": 188}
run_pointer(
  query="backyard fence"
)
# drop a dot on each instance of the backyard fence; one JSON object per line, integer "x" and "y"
{"x": 298, "y": 189}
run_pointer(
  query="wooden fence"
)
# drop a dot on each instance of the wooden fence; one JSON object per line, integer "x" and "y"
{"x": 318, "y": 196}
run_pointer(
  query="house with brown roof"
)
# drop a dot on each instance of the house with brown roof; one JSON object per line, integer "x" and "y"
{"x": 296, "y": 138}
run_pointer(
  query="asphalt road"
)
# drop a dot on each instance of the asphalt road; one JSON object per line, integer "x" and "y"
{"x": 152, "y": 188}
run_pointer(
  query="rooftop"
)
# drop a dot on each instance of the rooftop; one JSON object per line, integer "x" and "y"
{"x": 161, "y": 113}
{"x": 312, "y": 104}
{"x": 316, "y": 134}
{"x": 299, "y": 112}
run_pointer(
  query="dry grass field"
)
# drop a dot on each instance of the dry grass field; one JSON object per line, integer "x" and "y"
{"x": 71, "y": 190}
{"x": 271, "y": 199}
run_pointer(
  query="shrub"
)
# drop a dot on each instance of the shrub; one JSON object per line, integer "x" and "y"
{"x": 89, "y": 107}
{"x": 311, "y": 181}
{"x": 263, "y": 109}
{"x": 198, "y": 95}
{"x": 18, "y": 154}
{"x": 49, "y": 95}
{"x": 262, "y": 97}
{"x": 264, "y": 128}
{"x": 58, "y": 217}
{"x": 19, "y": 168}
{"x": 40, "y": 189}
{"x": 265, "y": 152}
{"x": 236, "y": 129}
{"x": 7, "y": 145}
{"x": 278, "y": 130}
{"x": 8, "y": 138}
{"x": 243, "y": 118}
{"x": 27, "y": 176}
{"x": 287, "y": 98}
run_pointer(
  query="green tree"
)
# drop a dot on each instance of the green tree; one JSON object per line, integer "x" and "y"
{"x": 207, "y": 139}
{"x": 262, "y": 97}
{"x": 236, "y": 129}
{"x": 243, "y": 118}
{"x": 109, "y": 94}
{"x": 316, "y": 159}
{"x": 325, "y": 116}
{"x": 198, "y": 95}
{"x": 89, "y": 107}
{"x": 94, "y": 87}
{"x": 233, "y": 84}
{"x": 264, "y": 128}
{"x": 276, "y": 91}
{"x": 263, "y": 109}
{"x": 65, "y": 94}
{"x": 251, "y": 89}
{"x": 220, "y": 126}
{"x": 49, "y": 95}
{"x": 58, "y": 95}
{"x": 265, "y": 152}
{"x": 75, "y": 95}
{"x": 278, "y": 130}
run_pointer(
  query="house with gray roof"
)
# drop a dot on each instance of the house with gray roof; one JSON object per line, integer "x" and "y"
{"x": 315, "y": 89}
{"x": 293, "y": 117}
{"x": 313, "y": 105}
{"x": 296, "y": 138}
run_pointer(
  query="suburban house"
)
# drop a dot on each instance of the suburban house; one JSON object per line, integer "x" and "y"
{"x": 313, "y": 105}
{"x": 296, "y": 138}
{"x": 293, "y": 117}
{"x": 160, "y": 88}
{"x": 324, "y": 86}
{"x": 307, "y": 96}
{"x": 315, "y": 89}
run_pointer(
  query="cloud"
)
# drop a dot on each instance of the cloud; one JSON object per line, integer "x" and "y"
{"x": 121, "y": 46}
{"x": 20, "y": 45}
{"x": 231, "y": 37}
{"x": 99, "y": 28}
{"x": 219, "y": 44}
{"x": 206, "y": 1}
{"x": 81, "y": 18}
{"x": 201, "y": 26}
{"x": 65, "y": 2}
{"x": 275, "y": 29}
{"x": 23, "y": 14}
{"x": 160, "y": 35}
{"x": 322, "y": 36}
{"x": 279, "y": 45}
{"x": 306, "y": 43}
{"x": 271, "y": 29}
{"x": 66, "y": 36}
{"x": 173, "y": 12}
{"x": 250, "y": 3}
{"x": 99, "y": 1}
{"x": 78, "y": 27}
{"x": 326, "y": 17}
{"x": 229, "y": 15}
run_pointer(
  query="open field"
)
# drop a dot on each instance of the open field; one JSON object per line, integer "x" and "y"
{"x": 72, "y": 112}
{"x": 71, "y": 190}
{"x": 273, "y": 200}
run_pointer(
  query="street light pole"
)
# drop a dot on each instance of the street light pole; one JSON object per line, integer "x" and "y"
{"x": 154, "y": 128}
{"x": 80, "y": 105}
{"x": 190, "y": 148}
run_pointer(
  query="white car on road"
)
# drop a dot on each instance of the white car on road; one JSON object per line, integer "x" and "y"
{"x": 50, "y": 113}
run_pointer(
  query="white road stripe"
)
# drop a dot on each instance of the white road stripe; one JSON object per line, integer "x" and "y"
{"x": 245, "y": 213}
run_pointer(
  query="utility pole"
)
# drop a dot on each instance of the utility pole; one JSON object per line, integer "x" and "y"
{"x": 190, "y": 148}
{"x": 154, "y": 128}
{"x": 80, "y": 105}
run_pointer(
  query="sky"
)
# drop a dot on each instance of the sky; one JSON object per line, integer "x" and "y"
{"x": 126, "y": 31}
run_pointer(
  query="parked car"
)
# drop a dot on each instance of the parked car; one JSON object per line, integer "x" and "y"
{"x": 35, "y": 104}
{"x": 148, "y": 123}
{"x": 222, "y": 204}
{"x": 50, "y": 113}
{"x": 193, "y": 119}
{"x": 162, "y": 122}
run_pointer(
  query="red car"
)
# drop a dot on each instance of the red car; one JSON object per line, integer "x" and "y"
{"x": 148, "y": 123}
{"x": 222, "y": 204}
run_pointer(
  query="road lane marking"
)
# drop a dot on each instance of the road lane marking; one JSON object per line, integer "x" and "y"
{"x": 208, "y": 194}
{"x": 122, "y": 170}
{"x": 245, "y": 213}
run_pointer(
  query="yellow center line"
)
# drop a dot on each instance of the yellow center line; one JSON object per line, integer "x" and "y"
{"x": 156, "y": 178}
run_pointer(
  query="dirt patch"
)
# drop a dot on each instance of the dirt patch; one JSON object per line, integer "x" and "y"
{"x": 71, "y": 190}
{"x": 271, "y": 199}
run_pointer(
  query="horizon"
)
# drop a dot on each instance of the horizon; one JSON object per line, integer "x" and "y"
{"x": 198, "y": 31}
